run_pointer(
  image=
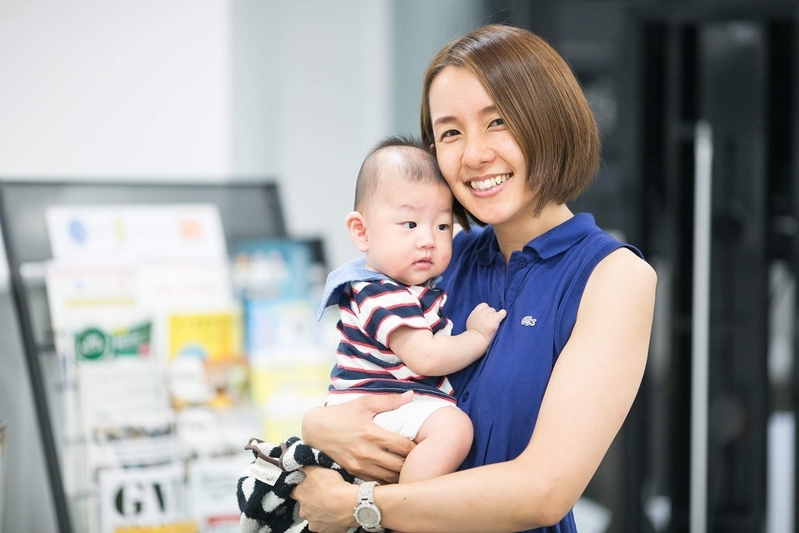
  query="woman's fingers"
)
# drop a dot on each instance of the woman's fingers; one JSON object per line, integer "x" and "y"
{"x": 320, "y": 495}
{"x": 389, "y": 402}
{"x": 387, "y": 439}
{"x": 347, "y": 433}
{"x": 373, "y": 462}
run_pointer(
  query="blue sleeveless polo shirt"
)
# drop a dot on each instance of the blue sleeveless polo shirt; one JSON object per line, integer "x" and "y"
{"x": 541, "y": 290}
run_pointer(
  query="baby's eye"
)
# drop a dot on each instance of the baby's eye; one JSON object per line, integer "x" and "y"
{"x": 409, "y": 225}
{"x": 443, "y": 227}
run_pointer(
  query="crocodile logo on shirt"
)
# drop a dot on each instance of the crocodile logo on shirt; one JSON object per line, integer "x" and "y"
{"x": 529, "y": 321}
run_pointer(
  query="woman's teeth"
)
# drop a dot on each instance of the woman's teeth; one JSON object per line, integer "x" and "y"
{"x": 484, "y": 185}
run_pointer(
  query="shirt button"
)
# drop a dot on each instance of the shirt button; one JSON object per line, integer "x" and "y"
{"x": 521, "y": 263}
{"x": 465, "y": 396}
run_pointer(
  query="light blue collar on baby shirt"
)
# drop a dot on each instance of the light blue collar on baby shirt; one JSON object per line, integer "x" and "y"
{"x": 338, "y": 280}
{"x": 355, "y": 270}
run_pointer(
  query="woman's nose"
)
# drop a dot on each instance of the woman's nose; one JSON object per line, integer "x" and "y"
{"x": 476, "y": 152}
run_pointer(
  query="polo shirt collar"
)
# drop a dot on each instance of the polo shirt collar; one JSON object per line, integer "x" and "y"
{"x": 549, "y": 244}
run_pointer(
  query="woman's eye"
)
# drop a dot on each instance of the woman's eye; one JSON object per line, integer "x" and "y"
{"x": 497, "y": 122}
{"x": 449, "y": 133}
{"x": 443, "y": 227}
{"x": 409, "y": 225}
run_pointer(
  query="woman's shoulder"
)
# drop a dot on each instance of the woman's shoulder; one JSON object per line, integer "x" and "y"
{"x": 620, "y": 282}
{"x": 616, "y": 281}
{"x": 627, "y": 267}
{"x": 618, "y": 261}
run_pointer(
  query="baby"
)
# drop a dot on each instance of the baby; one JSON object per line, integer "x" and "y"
{"x": 394, "y": 336}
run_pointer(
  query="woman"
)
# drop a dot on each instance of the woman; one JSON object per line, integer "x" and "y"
{"x": 515, "y": 140}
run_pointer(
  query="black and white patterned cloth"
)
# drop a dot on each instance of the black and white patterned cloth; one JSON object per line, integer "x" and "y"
{"x": 264, "y": 490}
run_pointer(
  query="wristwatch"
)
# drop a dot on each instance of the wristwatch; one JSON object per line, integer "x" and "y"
{"x": 366, "y": 512}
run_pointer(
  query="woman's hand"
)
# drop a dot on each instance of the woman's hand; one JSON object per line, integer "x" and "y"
{"x": 347, "y": 433}
{"x": 326, "y": 500}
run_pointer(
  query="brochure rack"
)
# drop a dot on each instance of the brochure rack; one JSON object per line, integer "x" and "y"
{"x": 249, "y": 210}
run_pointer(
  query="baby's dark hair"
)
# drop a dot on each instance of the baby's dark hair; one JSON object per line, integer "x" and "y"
{"x": 413, "y": 162}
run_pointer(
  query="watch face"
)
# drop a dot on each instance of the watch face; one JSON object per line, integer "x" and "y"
{"x": 367, "y": 516}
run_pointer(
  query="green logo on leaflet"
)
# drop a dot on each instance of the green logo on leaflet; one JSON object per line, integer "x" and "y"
{"x": 91, "y": 344}
{"x": 132, "y": 341}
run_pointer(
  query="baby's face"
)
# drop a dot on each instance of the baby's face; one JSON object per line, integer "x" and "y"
{"x": 409, "y": 229}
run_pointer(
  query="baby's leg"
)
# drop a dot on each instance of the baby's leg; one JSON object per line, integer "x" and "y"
{"x": 441, "y": 445}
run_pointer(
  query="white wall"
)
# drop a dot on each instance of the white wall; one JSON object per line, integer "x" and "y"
{"x": 311, "y": 84}
{"x": 114, "y": 89}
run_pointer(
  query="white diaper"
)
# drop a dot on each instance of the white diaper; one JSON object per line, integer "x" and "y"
{"x": 407, "y": 419}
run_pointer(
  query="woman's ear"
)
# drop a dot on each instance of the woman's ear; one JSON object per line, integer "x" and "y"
{"x": 356, "y": 227}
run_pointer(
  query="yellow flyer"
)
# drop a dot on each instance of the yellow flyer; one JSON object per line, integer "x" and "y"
{"x": 206, "y": 362}
{"x": 212, "y": 336}
{"x": 177, "y": 527}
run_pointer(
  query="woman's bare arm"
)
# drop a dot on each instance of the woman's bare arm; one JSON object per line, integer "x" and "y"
{"x": 588, "y": 397}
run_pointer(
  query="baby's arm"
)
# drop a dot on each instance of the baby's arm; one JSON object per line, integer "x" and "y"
{"x": 430, "y": 355}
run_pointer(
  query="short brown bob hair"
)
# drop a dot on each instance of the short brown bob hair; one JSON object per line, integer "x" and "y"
{"x": 540, "y": 100}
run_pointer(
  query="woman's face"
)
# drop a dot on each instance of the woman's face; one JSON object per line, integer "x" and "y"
{"x": 480, "y": 159}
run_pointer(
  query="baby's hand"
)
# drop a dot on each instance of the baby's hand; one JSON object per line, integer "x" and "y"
{"x": 485, "y": 320}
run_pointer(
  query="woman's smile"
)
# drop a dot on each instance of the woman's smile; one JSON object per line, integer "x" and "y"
{"x": 490, "y": 183}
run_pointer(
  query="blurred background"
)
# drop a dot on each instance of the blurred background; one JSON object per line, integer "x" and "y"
{"x": 256, "y": 115}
